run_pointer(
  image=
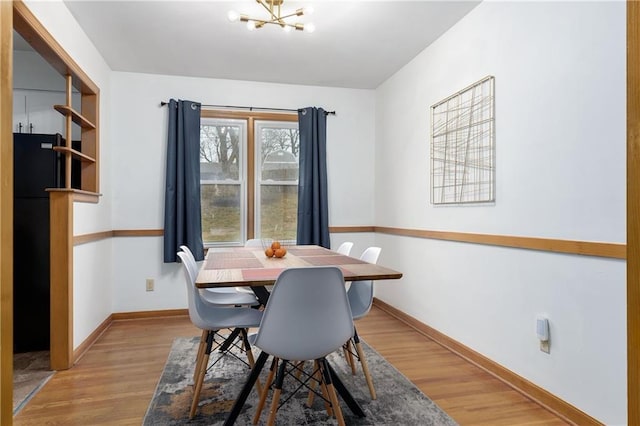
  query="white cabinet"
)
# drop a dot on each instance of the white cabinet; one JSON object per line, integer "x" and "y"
{"x": 33, "y": 112}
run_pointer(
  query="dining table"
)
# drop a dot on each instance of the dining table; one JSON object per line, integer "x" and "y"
{"x": 250, "y": 267}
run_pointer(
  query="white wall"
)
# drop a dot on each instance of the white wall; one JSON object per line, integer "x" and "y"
{"x": 139, "y": 129}
{"x": 560, "y": 173}
{"x": 93, "y": 265}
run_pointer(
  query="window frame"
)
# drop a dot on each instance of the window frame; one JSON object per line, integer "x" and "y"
{"x": 249, "y": 156}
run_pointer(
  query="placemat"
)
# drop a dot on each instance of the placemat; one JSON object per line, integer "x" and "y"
{"x": 261, "y": 274}
{"x": 232, "y": 263}
{"x": 330, "y": 260}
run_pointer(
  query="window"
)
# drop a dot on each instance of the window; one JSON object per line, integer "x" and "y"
{"x": 248, "y": 176}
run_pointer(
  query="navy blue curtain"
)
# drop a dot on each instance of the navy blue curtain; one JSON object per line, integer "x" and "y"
{"x": 182, "y": 224}
{"x": 313, "y": 210}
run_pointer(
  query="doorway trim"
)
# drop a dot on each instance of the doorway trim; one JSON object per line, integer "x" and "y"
{"x": 61, "y": 324}
{"x": 633, "y": 212}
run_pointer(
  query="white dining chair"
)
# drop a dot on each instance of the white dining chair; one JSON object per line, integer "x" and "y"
{"x": 360, "y": 296}
{"x": 253, "y": 242}
{"x": 307, "y": 318}
{"x": 212, "y": 319}
{"x": 345, "y": 248}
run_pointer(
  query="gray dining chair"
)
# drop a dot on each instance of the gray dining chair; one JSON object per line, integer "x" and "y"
{"x": 253, "y": 242}
{"x": 360, "y": 296}
{"x": 307, "y": 318}
{"x": 211, "y": 319}
{"x": 221, "y": 295}
{"x": 345, "y": 248}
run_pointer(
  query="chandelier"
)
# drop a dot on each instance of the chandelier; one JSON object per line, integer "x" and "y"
{"x": 275, "y": 17}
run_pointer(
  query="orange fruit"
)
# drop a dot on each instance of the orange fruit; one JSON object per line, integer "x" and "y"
{"x": 269, "y": 252}
{"x": 280, "y": 252}
{"x": 275, "y": 245}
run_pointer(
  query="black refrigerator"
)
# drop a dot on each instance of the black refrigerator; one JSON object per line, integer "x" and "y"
{"x": 36, "y": 167}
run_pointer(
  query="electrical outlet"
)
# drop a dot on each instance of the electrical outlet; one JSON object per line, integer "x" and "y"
{"x": 149, "y": 284}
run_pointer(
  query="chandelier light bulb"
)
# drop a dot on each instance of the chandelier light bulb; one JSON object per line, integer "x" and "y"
{"x": 275, "y": 17}
{"x": 233, "y": 15}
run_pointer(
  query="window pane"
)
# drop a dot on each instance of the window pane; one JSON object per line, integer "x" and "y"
{"x": 279, "y": 149}
{"x": 221, "y": 181}
{"x": 279, "y": 211}
{"x": 221, "y": 214}
{"x": 219, "y": 152}
{"x": 277, "y": 162}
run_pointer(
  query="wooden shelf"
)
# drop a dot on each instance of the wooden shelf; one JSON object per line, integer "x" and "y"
{"x": 75, "y": 116}
{"x": 79, "y": 194}
{"x": 75, "y": 154}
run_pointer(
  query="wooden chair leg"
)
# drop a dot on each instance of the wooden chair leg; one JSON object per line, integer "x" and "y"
{"x": 201, "y": 348}
{"x": 313, "y": 385}
{"x": 349, "y": 356}
{"x": 252, "y": 362}
{"x": 365, "y": 369}
{"x": 331, "y": 391}
{"x": 202, "y": 370}
{"x": 265, "y": 391}
{"x": 299, "y": 369}
{"x": 277, "y": 390}
{"x": 325, "y": 393}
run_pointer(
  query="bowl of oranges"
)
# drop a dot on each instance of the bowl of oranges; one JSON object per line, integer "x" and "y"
{"x": 273, "y": 248}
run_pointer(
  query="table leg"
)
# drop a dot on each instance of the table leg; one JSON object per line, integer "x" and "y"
{"x": 345, "y": 394}
{"x": 246, "y": 390}
{"x": 261, "y": 293}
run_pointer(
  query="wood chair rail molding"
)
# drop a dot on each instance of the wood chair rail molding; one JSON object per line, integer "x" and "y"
{"x": 583, "y": 248}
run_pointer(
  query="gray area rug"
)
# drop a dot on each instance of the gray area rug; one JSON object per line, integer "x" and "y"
{"x": 398, "y": 401}
{"x": 30, "y": 373}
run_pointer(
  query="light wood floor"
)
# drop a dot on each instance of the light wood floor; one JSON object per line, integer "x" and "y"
{"x": 114, "y": 381}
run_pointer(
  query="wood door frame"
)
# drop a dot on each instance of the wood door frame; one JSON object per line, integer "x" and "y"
{"x": 6, "y": 213}
{"x": 633, "y": 213}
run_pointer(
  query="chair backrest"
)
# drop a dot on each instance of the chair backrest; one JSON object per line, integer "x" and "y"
{"x": 360, "y": 293}
{"x": 345, "y": 248}
{"x": 196, "y": 305}
{"x": 307, "y": 315}
{"x": 253, "y": 242}
{"x": 371, "y": 255}
{"x": 190, "y": 261}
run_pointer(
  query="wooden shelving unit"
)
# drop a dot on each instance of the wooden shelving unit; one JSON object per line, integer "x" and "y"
{"x": 86, "y": 125}
{"x": 76, "y": 117}
{"x": 74, "y": 154}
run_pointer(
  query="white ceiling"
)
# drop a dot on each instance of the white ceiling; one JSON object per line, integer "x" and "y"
{"x": 357, "y": 44}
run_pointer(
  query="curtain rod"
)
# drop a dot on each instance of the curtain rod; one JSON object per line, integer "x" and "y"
{"x": 251, "y": 108}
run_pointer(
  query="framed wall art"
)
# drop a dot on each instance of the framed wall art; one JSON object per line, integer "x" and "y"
{"x": 463, "y": 146}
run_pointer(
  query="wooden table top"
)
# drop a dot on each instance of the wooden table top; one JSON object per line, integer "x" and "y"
{"x": 248, "y": 266}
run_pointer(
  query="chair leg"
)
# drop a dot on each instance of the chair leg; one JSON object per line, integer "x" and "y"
{"x": 277, "y": 390}
{"x": 349, "y": 356}
{"x": 314, "y": 383}
{"x": 202, "y": 370}
{"x": 265, "y": 391}
{"x": 365, "y": 366}
{"x": 252, "y": 362}
{"x": 299, "y": 369}
{"x": 326, "y": 379}
{"x": 201, "y": 347}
